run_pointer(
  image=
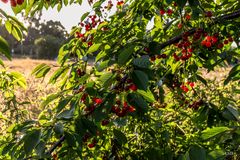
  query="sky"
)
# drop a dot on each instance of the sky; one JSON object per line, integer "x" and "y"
{"x": 69, "y": 15}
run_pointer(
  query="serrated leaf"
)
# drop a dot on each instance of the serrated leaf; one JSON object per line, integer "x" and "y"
{"x": 138, "y": 102}
{"x": 67, "y": 114}
{"x": 148, "y": 95}
{"x": 31, "y": 140}
{"x": 41, "y": 70}
{"x": 40, "y": 148}
{"x": 49, "y": 99}
{"x": 142, "y": 62}
{"x": 201, "y": 79}
{"x": 233, "y": 72}
{"x": 212, "y": 132}
{"x": 181, "y": 3}
{"x": 4, "y": 48}
{"x": 125, "y": 54}
{"x": 57, "y": 74}
{"x": 140, "y": 79}
{"x": 62, "y": 103}
{"x": 106, "y": 79}
{"x": 92, "y": 128}
{"x": 121, "y": 138}
{"x": 95, "y": 47}
{"x": 19, "y": 79}
{"x": 84, "y": 16}
{"x": 197, "y": 153}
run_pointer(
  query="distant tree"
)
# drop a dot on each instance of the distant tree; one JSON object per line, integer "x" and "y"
{"x": 42, "y": 40}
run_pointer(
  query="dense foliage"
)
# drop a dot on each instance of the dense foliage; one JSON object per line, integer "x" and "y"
{"x": 144, "y": 97}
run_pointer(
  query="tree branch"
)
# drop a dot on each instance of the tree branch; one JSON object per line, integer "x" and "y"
{"x": 173, "y": 40}
{"x": 176, "y": 39}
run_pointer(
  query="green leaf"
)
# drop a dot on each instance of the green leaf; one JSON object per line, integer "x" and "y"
{"x": 58, "y": 128}
{"x": 31, "y": 140}
{"x": 216, "y": 154}
{"x": 4, "y": 48}
{"x": 67, "y": 114}
{"x": 70, "y": 138}
{"x": 106, "y": 79}
{"x": 158, "y": 22}
{"x": 95, "y": 47}
{"x": 138, "y": 102}
{"x": 90, "y": 126}
{"x": 181, "y": 3}
{"x": 121, "y": 138}
{"x": 49, "y": 99}
{"x": 212, "y": 132}
{"x": 40, "y": 148}
{"x": 148, "y": 95}
{"x": 62, "y": 103}
{"x": 19, "y": 79}
{"x": 201, "y": 79}
{"x": 57, "y": 74}
{"x": 233, "y": 72}
{"x": 125, "y": 54}
{"x": 84, "y": 16}
{"x": 231, "y": 113}
{"x": 41, "y": 70}
{"x": 1, "y": 63}
{"x": 197, "y": 153}
{"x": 142, "y": 62}
{"x": 140, "y": 79}
{"x": 19, "y": 8}
{"x": 193, "y": 3}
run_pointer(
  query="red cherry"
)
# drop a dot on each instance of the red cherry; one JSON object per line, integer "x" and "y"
{"x": 191, "y": 84}
{"x": 203, "y": 43}
{"x": 19, "y": 2}
{"x": 169, "y": 12}
{"x": 13, "y": 3}
{"x": 146, "y": 49}
{"x": 220, "y": 45}
{"x": 230, "y": 39}
{"x": 214, "y": 39}
{"x": 129, "y": 81}
{"x": 133, "y": 87}
{"x": 208, "y": 14}
{"x": 188, "y": 17}
{"x": 90, "y": 43}
{"x": 190, "y": 50}
{"x": 208, "y": 38}
{"x": 180, "y": 25}
{"x": 163, "y": 55}
{"x": 4, "y": 1}
{"x": 162, "y": 12}
{"x": 84, "y": 97}
{"x": 189, "y": 55}
{"x": 225, "y": 41}
{"x": 153, "y": 58}
{"x": 105, "y": 122}
{"x": 131, "y": 109}
{"x": 91, "y": 145}
{"x": 97, "y": 100}
{"x": 118, "y": 102}
{"x": 208, "y": 44}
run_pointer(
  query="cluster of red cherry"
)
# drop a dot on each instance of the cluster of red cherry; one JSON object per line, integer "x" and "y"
{"x": 185, "y": 87}
{"x": 14, "y": 3}
{"x": 121, "y": 110}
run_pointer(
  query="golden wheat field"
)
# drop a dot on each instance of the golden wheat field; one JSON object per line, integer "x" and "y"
{"x": 39, "y": 88}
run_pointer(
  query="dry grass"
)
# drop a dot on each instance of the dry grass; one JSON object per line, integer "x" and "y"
{"x": 38, "y": 88}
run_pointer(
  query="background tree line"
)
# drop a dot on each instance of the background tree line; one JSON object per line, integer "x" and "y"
{"x": 42, "y": 41}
